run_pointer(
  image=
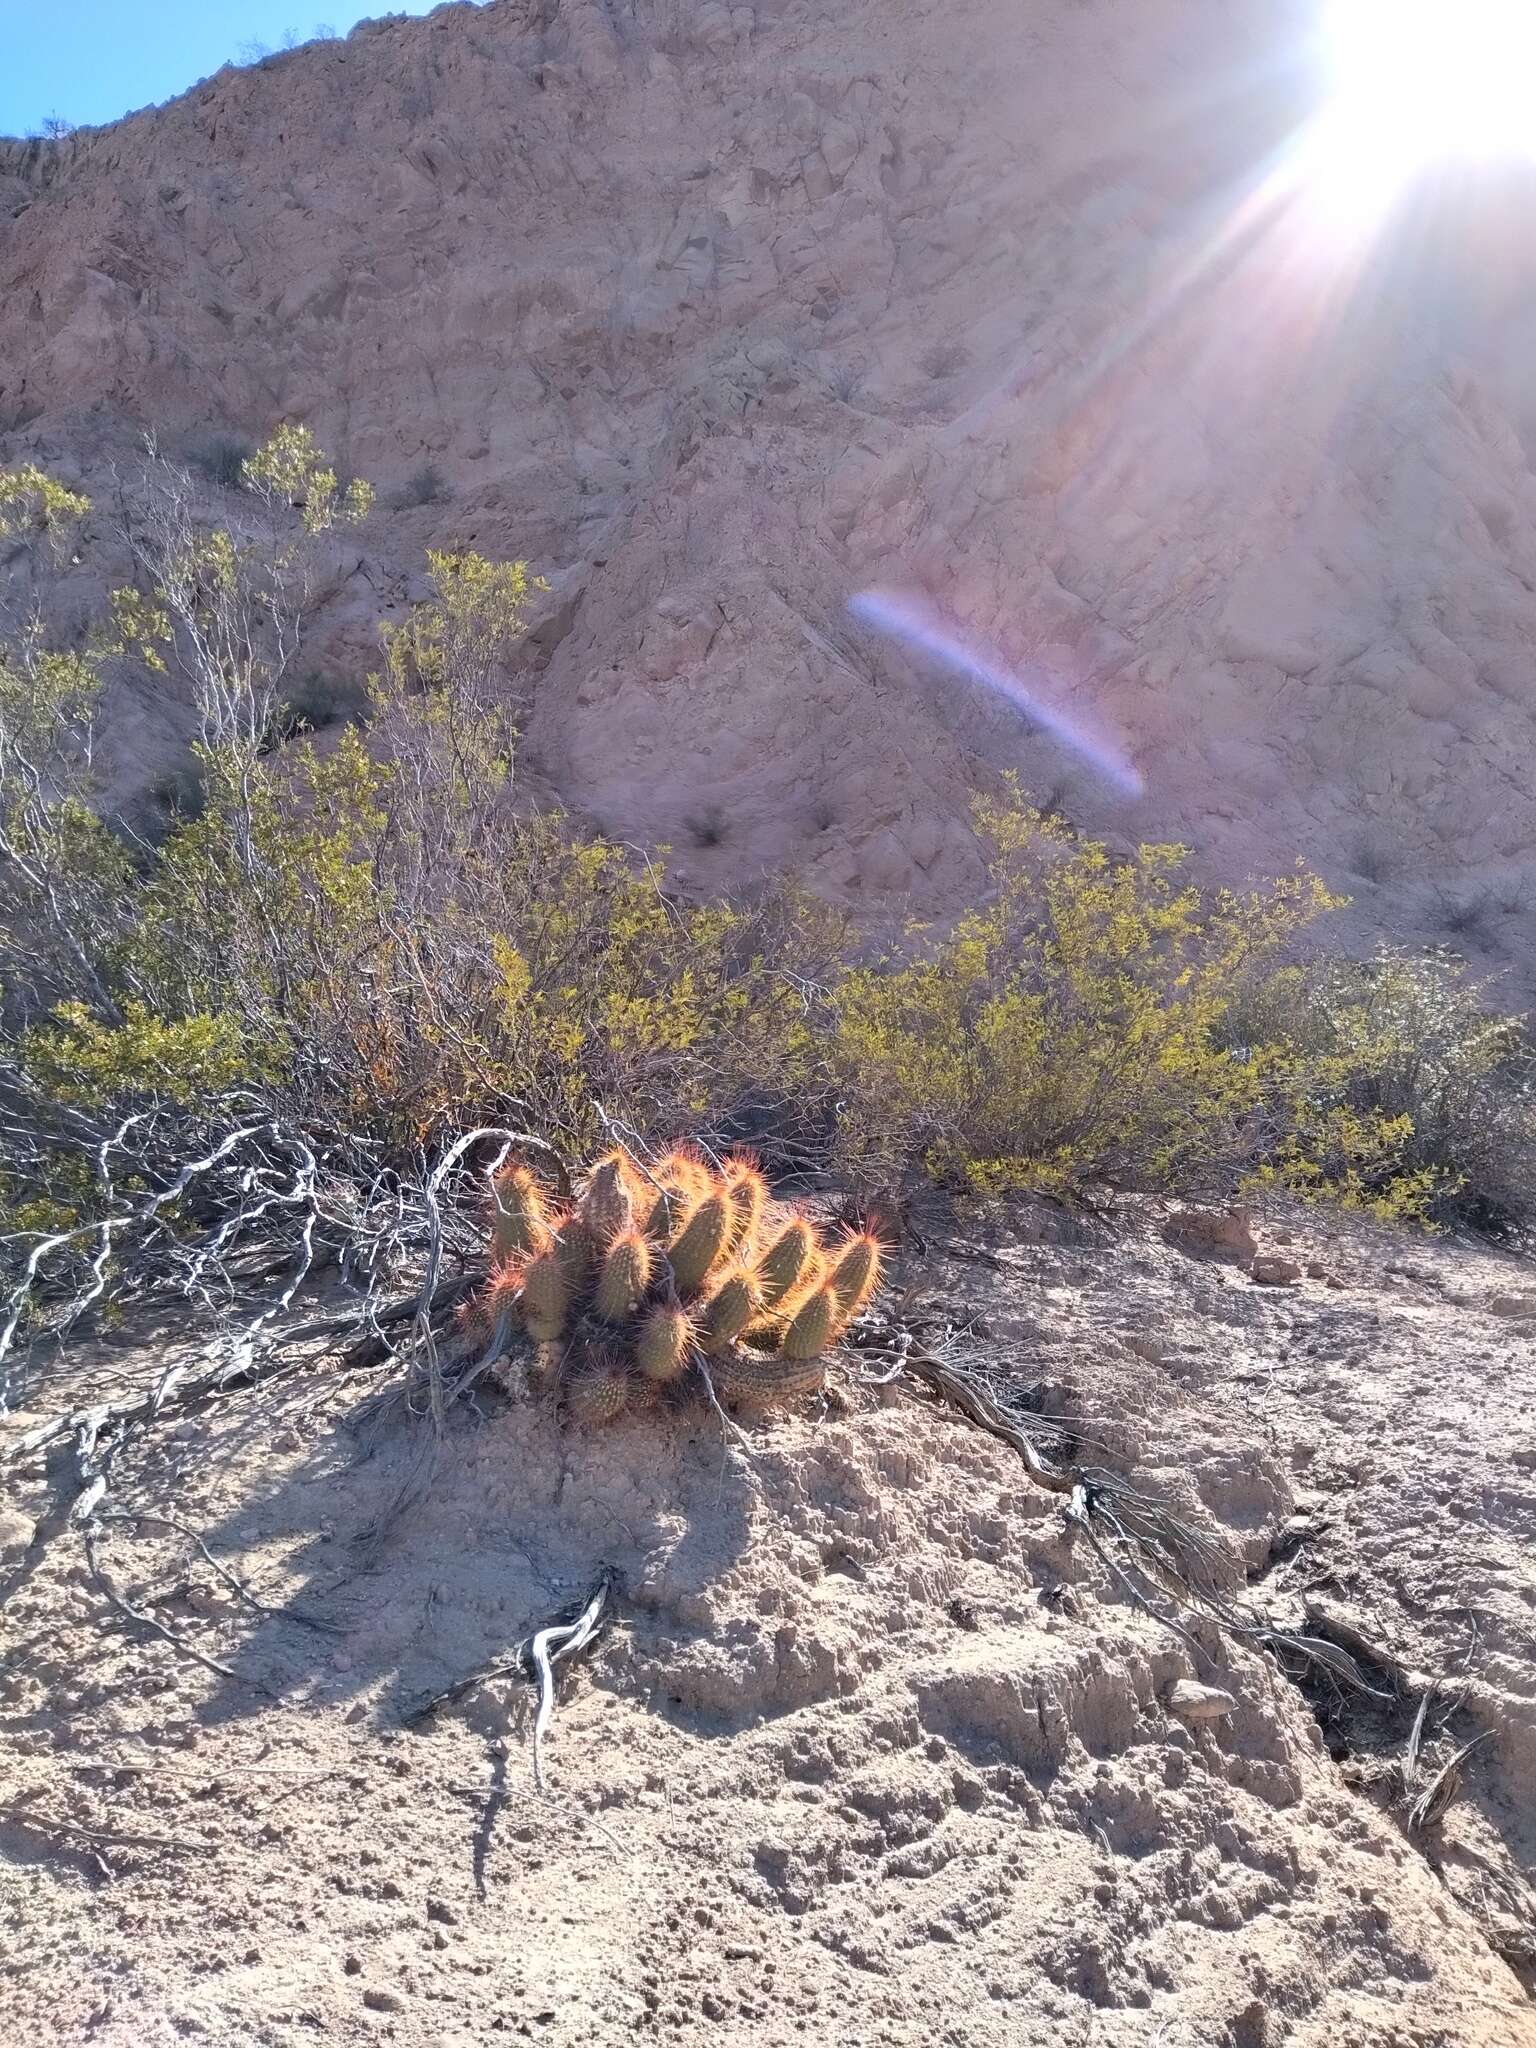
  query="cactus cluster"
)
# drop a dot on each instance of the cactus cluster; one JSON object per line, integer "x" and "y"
{"x": 659, "y": 1271}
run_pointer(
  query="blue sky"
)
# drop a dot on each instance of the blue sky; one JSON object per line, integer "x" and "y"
{"x": 89, "y": 61}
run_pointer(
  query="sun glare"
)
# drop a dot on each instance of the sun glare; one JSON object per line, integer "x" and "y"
{"x": 1419, "y": 81}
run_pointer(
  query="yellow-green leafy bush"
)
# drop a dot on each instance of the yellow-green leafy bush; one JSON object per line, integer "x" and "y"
{"x": 1071, "y": 1030}
{"x": 374, "y": 942}
{"x": 80, "y": 1060}
{"x": 1400, "y": 1092}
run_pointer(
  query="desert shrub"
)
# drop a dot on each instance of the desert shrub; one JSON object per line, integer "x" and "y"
{"x": 178, "y": 791}
{"x": 222, "y": 458}
{"x": 1069, "y": 1033}
{"x": 1466, "y": 917}
{"x": 1104, "y": 1023}
{"x": 943, "y": 359}
{"x": 317, "y": 701}
{"x": 374, "y": 941}
{"x": 78, "y": 1059}
{"x": 553, "y": 985}
{"x": 1372, "y": 857}
{"x": 545, "y": 976}
{"x": 1401, "y": 1092}
{"x": 424, "y": 486}
{"x": 35, "y": 508}
{"x": 62, "y": 873}
{"x": 707, "y": 827}
{"x": 352, "y": 957}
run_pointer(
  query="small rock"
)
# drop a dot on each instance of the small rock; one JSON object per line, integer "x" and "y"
{"x": 1512, "y": 1305}
{"x": 1270, "y": 1269}
{"x": 379, "y": 1999}
{"x": 1212, "y": 1233}
{"x": 1192, "y": 1701}
{"x": 16, "y": 1533}
{"x": 439, "y": 1909}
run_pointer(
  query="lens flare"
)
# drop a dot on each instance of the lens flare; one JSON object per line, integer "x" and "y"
{"x": 918, "y": 624}
{"x": 1415, "y": 81}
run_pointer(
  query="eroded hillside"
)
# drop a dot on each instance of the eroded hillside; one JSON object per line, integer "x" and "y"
{"x": 721, "y": 314}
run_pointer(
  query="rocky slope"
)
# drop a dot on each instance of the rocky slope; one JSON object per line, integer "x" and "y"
{"x": 721, "y": 313}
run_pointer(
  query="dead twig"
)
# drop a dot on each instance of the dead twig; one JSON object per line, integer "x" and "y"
{"x": 1416, "y": 1738}
{"x": 1431, "y": 1806}
{"x": 515, "y": 1666}
{"x": 209, "y": 1773}
{"x": 180, "y": 1389}
{"x": 559, "y": 1642}
{"x": 731, "y": 1430}
{"x": 46, "y": 1824}
{"x": 231, "y": 1579}
{"x": 963, "y": 1391}
{"x": 160, "y": 1628}
{"x": 1168, "y": 1553}
{"x": 523, "y": 1661}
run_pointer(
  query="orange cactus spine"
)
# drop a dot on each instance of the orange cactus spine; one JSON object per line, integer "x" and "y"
{"x": 856, "y": 1271}
{"x": 669, "y": 1210}
{"x": 815, "y": 1325}
{"x": 546, "y": 1298}
{"x": 520, "y": 1215}
{"x": 608, "y": 1206}
{"x": 735, "y": 1301}
{"x": 683, "y": 1169}
{"x": 664, "y": 1344}
{"x": 623, "y": 1277}
{"x": 786, "y": 1258}
{"x": 575, "y": 1253}
{"x": 699, "y": 1247}
{"x": 749, "y": 1200}
{"x": 597, "y": 1389}
{"x": 810, "y": 1277}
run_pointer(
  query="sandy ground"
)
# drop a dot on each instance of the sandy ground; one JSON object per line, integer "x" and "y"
{"x": 875, "y": 1750}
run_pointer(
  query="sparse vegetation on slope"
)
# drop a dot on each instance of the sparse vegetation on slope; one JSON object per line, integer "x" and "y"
{"x": 357, "y": 954}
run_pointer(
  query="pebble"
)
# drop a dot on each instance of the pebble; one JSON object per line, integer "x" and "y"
{"x": 1269, "y": 1269}
{"x": 1192, "y": 1701}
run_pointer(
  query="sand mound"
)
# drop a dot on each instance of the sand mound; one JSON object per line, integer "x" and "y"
{"x": 874, "y": 1752}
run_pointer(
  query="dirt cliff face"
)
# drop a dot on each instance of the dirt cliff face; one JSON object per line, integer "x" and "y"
{"x": 721, "y": 314}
